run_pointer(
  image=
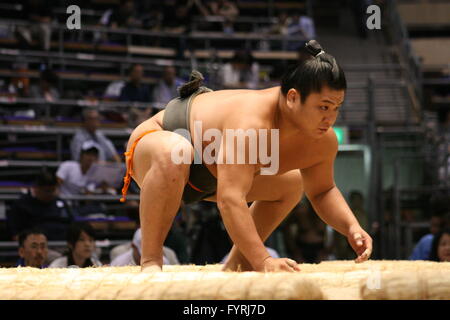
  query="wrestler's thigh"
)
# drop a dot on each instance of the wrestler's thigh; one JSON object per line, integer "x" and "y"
{"x": 164, "y": 150}
{"x": 274, "y": 187}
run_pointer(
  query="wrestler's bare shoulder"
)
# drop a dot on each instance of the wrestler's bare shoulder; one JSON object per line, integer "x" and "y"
{"x": 239, "y": 107}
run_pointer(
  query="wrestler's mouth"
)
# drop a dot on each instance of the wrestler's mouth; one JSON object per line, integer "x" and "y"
{"x": 323, "y": 130}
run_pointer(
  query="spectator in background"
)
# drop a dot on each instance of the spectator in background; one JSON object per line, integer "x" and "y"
{"x": 301, "y": 25}
{"x": 132, "y": 257}
{"x": 40, "y": 207}
{"x": 135, "y": 90}
{"x": 38, "y": 14}
{"x": 33, "y": 250}
{"x": 443, "y": 145}
{"x": 72, "y": 175}
{"x": 166, "y": 89}
{"x": 107, "y": 151}
{"x": 226, "y": 9}
{"x": 282, "y": 24}
{"x": 19, "y": 86}
{"x": 46, "y": 87}
{"x": 241, "y": 72}
{"x": 80, "y": 248}
{"x": 304, "y": 235}
{"x": 440, "y": 247}
{"x": 440, "y": 219}
{"x": 124, "y": 16}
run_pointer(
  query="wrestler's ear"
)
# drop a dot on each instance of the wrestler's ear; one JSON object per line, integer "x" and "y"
{"x": 292, "y": 98}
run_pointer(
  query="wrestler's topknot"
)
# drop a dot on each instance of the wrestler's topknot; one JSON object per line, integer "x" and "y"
{"x": 195, "y": 81}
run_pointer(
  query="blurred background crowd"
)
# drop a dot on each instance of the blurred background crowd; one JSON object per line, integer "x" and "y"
{"x": 70, "y": 98}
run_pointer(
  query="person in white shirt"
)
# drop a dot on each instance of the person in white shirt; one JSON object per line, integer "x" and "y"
{"x": 107, "y": 150}
{"x": 132, "y": 257}
{"x": 241, "y": 72}
{"x": 81, "y": 248}
{"x": 72, "y": 175}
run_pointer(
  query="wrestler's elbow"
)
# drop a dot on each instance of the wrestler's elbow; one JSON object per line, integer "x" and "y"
{"x": 317, "y": 195}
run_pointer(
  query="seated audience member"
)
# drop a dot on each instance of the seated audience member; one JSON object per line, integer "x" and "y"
{"x": 33, "y": 250}
{"x": 72, "y": 175}
{"x": 90, "y": 132}
{"x": 302, "y": 24}
{"x": 241, "y": 72}
{"x": 46, "y": 89}
{"x": 113, "y": 90}
{"x": 136, "y": 91}
{"x": 440, "y": 219}
{"x": 166, "y": 89}
{"x": 37, "y": 13}
{"x": 282, "y": 23}
{"x": 304, "y": 233}
{"x": 440, "y": 247}
{"x": 132, "y": 257}
{"x": 40, "y": 207}
{"x": 81, "y": 248}
{"x": 124, "y": 16}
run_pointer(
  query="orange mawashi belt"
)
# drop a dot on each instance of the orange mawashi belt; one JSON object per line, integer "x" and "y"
{"x": 129, "y": 163}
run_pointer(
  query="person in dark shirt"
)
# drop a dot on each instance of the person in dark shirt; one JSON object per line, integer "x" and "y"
{"x": 40, "y": 208}
{"x": 135, "y": 90}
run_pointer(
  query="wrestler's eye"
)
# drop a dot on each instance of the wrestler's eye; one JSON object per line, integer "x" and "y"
{"x": 324, "y": 108}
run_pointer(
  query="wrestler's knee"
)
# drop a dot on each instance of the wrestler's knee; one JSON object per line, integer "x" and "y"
{"x": 173, "y": 160}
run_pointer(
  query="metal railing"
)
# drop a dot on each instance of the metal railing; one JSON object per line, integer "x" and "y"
{"x": 408, "y": 59}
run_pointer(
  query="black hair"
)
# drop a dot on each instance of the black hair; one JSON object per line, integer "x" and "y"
{"x": 93, "y": 151}
{"x": 314, "y": 70}
{"x": 73, "y": 235}
{"x": 435, "y": 244}
{"x": 194, "y": 83}
{"x": 24, "y": 235}
{"x": 45, "y": 179}
{"x": 131, "y": 68}
{"x": 243, "y": 56}
{"x": 75, "y": 230}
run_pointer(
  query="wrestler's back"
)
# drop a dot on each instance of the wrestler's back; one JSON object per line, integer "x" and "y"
{"x": 251, "y": 108}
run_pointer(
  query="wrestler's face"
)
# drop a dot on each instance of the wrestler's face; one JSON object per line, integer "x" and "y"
{"x": 318, "y": 113}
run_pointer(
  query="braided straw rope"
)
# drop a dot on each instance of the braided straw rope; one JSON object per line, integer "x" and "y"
{"x": 327, "y": 280}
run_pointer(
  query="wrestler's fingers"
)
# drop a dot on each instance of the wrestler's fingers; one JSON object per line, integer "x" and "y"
{"x": 358, "y": 238}
{"x": 364, "y": 256}
{"x": 293, "y": 264}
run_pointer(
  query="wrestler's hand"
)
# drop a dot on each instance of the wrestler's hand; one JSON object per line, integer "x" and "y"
{"x": 361, "y": 243}
{"x": 278, "y": 265}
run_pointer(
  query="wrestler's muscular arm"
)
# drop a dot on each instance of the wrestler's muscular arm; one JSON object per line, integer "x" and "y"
{"x": 234, "y": 181}
{"x": 329, "y": 203}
